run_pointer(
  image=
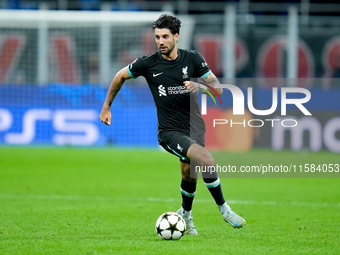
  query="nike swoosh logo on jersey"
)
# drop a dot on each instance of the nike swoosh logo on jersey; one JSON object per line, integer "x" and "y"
{"x": 156, "y": 74}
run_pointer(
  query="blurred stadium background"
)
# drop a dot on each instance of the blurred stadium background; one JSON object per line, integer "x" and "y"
{"x": 57, "y": 59}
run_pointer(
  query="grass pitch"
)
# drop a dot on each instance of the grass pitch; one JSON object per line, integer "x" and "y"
{"x": 106, "y": 201}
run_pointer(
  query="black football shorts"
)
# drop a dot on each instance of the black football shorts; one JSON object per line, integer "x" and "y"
{"x": 178, "y": 143}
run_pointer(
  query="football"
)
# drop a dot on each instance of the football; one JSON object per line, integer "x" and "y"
{"x": 170, "y": 226}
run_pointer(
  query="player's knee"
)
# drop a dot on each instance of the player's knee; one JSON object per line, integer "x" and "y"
{"x": 201, "y": 156}
{"x": 208, "y": 161}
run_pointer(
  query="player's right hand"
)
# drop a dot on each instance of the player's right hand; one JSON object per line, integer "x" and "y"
{"x": 105, "y": 117}
{"x": 192, "y": 86}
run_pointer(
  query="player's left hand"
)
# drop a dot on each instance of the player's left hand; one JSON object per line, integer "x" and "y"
{"x": 192, "y": 86}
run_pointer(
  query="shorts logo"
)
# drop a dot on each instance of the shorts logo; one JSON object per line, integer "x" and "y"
{"x": 161, "y": 90}
{"x": 179, "y": 148}
{"x": 185, "y": 72}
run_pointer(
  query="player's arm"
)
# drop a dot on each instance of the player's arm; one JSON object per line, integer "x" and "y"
{"x": 211, "y": 80}
{"x": 116, "y": 85}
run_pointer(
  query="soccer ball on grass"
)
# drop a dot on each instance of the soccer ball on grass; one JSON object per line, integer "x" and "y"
{"x": 170, "y": 226}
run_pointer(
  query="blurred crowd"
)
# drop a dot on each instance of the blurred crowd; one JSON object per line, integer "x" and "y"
{"x": 260, "y": 49}
{"x": 177, "y": 6}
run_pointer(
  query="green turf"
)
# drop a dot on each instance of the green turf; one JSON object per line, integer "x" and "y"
{"x": 106, "y": 201}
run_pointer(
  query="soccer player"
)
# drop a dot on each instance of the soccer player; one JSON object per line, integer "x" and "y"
{"x": 180, "y": 125}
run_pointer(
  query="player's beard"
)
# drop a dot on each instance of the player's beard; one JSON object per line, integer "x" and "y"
{"x": 169, "y": 50}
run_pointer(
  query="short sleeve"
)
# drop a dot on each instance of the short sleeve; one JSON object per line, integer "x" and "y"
{"x": 135, "y": 69}
{"x": 202, "y": 67}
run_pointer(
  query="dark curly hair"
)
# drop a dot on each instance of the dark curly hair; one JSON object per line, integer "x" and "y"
{"x": 167, "y": 21}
